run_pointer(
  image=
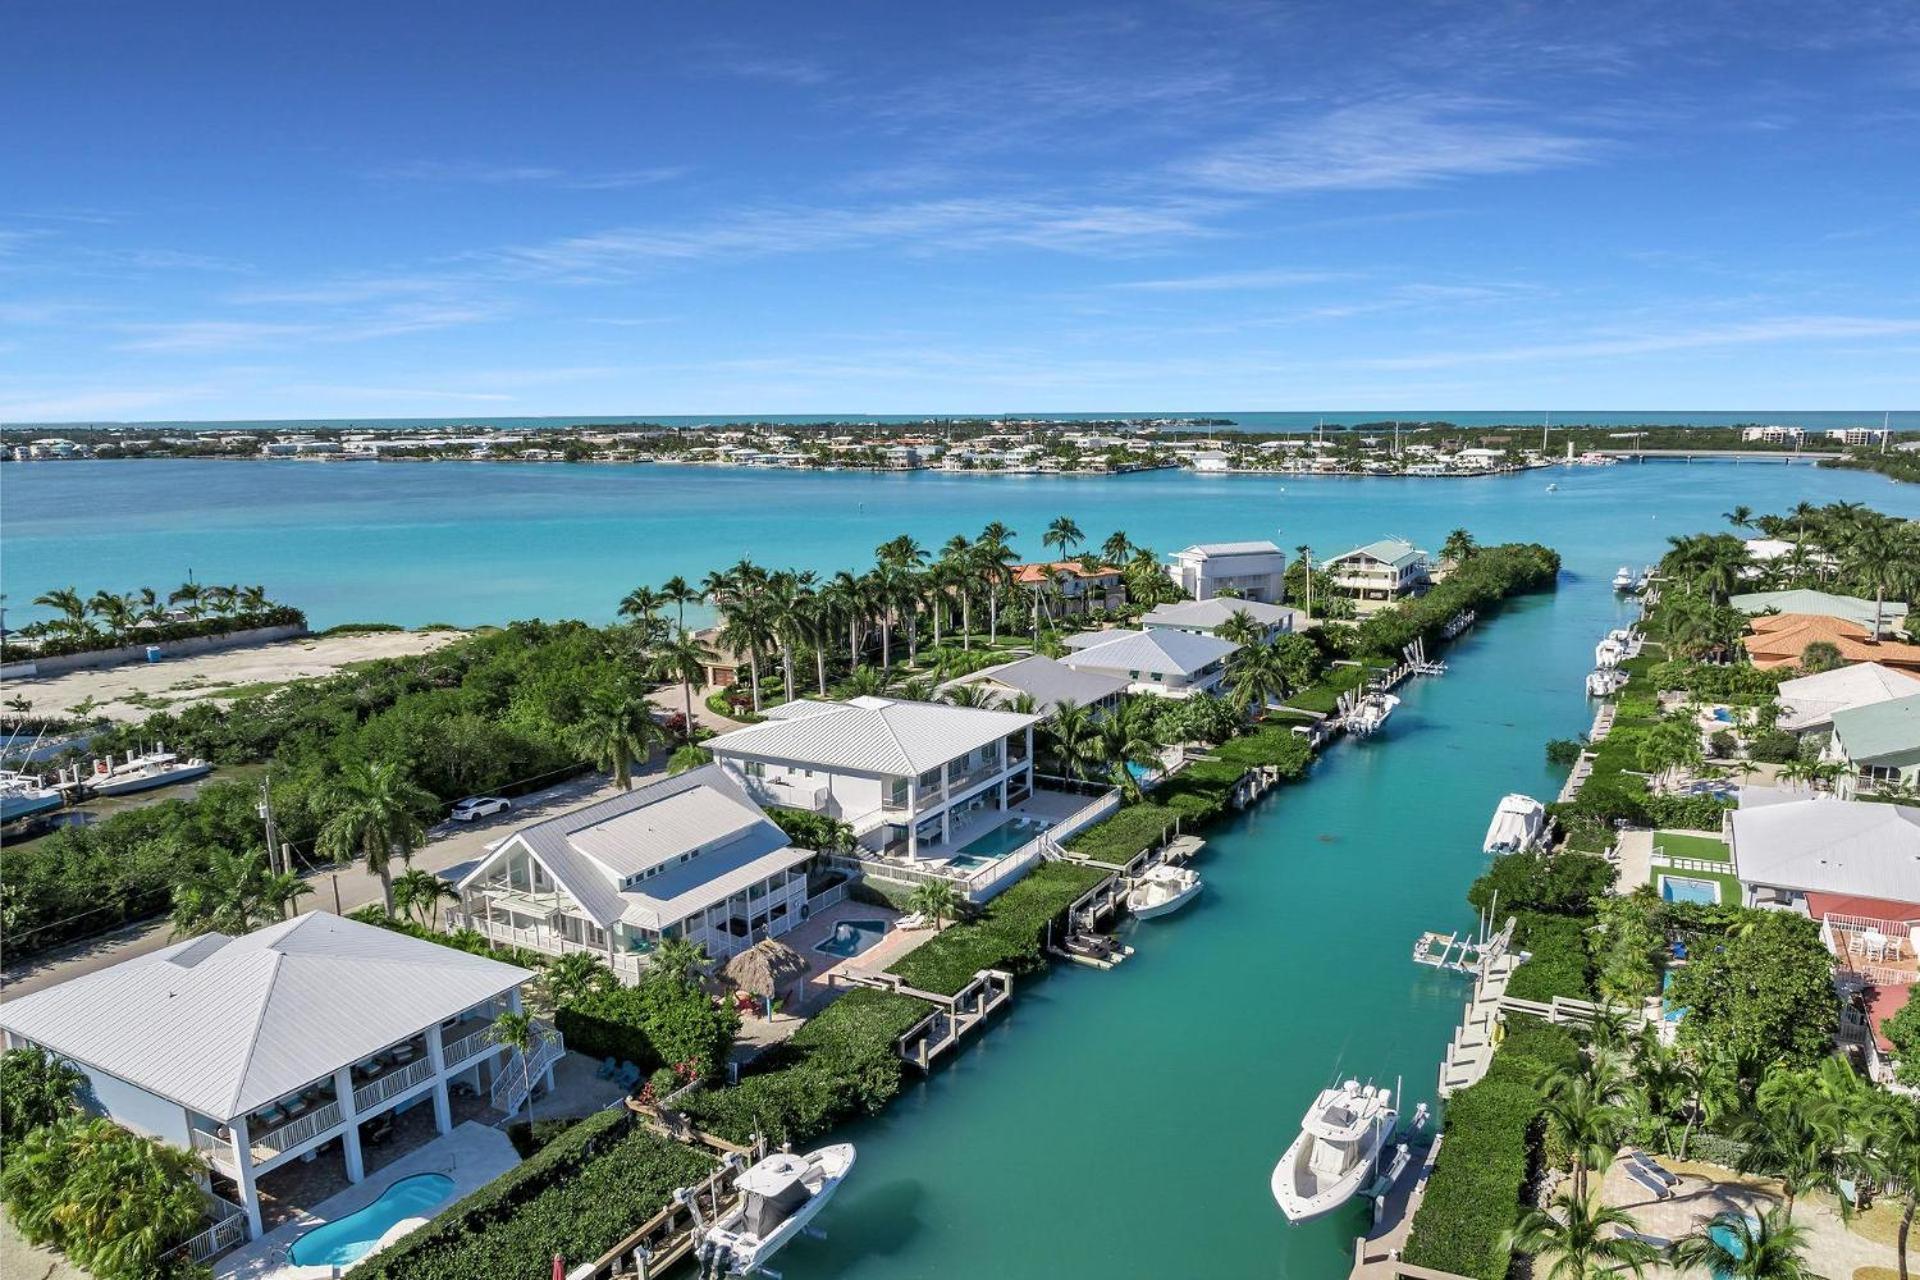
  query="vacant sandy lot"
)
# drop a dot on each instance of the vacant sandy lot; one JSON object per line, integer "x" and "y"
{"x": 133, "y": 692}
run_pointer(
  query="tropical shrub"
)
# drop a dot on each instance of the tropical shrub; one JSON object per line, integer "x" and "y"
{"x": 840, "y": 1064}
{"x": 1116, "y": 840}
{"x": 1558, "y": 965}
{"x": 1562, "y": 753}
{"x": 808, "y": 830}
{"x": 1776, "y": 746}
{"x": 55, "y": 646}
{"x": 1007, "y": 933}
{"x": 1555, "y": 884}
{"x": 1763, "y": 991}
{"x": 576, "y": 1197}
{"x": 36, "y": 1090}
{"x": 112, "y": 1201}
{"x": 663, "y": 1021}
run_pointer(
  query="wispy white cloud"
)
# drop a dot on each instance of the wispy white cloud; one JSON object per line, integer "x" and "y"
{"x": 469, "y": 172}
{"x": 1788, "y": 329}
{"x": 208, "y": 336}
{"x": 1273, "y": 278}
{"x": 747, "y": 64}
{"x": 1412, "y": 140}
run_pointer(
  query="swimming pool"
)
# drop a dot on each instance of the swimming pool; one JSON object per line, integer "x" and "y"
{"x": 851, "y": 937}
{"x": 346, "y": 1240}
{"x": 1003, "y": 839}
{"x": 1688, "y": 889}
{"x": 1669, "y": 1011}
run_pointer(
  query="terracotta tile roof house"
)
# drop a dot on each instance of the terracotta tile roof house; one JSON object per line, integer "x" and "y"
{"x": 1779, "y": 640}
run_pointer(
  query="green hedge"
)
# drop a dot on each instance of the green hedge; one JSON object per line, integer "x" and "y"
{"x": 841, "y": 1063}
{"x": 577, "y": 1197}
{"x": 1559, "y": 964}
{"x": 53, "y": 646}
{"x": 1116, "y": 840}
{"x": 1200, "y": 791}
{"x": 663, "y": 1022}
{"x": 1007, "y": 933}
{"x": 1474, "y": 1193}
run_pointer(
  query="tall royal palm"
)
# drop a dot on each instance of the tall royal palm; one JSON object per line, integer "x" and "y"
{"x": 1883, "y": 557}
{"x": 993, "y": 561}
{"x": 1064, "y": 535}
{"x": 682, "y": 660}
{"x": 1117, "y": 547}
{"x": 679, "y": 593}
{"x": 747, "y": 627}
{"x": 615, "y": 729}
{"x": 957, "y": 555}
{"x": 376, "y": 812}
{"x": 1581, "y": 1240}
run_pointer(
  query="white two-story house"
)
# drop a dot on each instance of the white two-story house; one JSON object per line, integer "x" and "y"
{"x": 909, "y": 777}
{"x": 1206, "y": 617}
{"x": 296, "y": 1042}
{"x": 688, "y": 857}
{"x": 1162, "y": 661}
{"x": 1248, "y": 570}
{"x": 1380, "y": 573}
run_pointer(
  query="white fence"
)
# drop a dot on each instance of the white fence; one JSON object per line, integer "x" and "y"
{"x": 375, "y": 1092}
{"x": 229, "y": 1229}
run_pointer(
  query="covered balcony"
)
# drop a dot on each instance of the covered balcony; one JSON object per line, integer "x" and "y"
{"x": 1873, "y": 950}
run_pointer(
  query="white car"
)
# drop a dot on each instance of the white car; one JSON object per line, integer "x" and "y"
{"x": 474, "y": 808}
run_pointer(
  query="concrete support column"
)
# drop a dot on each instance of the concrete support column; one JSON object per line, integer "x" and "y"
{"x": 350, "y": 1139}
{"x": 442, "y": 1105}
{"x": 946, "y": 825}
{"x": 1003, "y": 795}
{"x": 243, "y": 1176}
{"x": 513, "y": 1000}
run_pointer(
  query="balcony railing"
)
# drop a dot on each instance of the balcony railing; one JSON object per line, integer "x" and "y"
{"x": 790, "y": 795}
{"x": 979, "y": 773}
{"x": 296, "y": 1131}
{"x": 375, "y": 1092}
{"x": 229, "y": 1229}
{"x": 456, "y": 1052}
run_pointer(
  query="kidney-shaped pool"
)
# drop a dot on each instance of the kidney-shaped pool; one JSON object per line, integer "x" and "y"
{"x": 347, "y": 1239}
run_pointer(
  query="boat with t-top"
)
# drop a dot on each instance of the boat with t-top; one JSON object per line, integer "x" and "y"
{"x": 1162, "y": 890}
{"x": 1623, "y": 579}
{"x": 144, "y": 772}
{"x": 22, "y": 796}
{"x": 779, "y": 1195}
{"x": 1341, "y": 1139}
{"x": 1517, "y": 823}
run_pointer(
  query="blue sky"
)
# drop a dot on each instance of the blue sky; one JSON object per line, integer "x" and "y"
{"x": 241, "y": 210}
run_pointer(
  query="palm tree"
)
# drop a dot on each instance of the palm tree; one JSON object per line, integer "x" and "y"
{"x": 1895, "y": 1158}
{"x": 417, "y": 892}
{"x": 1305, "y": 553}
{"x": 190, "y": 596}
{"x": 957, "y": 555}
{"x": 1064, "y": 534}
{"x": 850, "y": 598}
{"x": 677, "y": 959}
{"x": 1738, "y": 1248}
{"x": 937, "y": 900}
{"x": 576, "y": 974}
{"x": 1880, "y": 556}
{"x": 253, "y": 599}
{"x": 515, "y": 1030}
{"x": 1239, "y": 628}
{"x": 616, "y": 729}
{"x": 376, "y": 810}
{"x": 117, "y": 612}
{"x": 1127, "y": 735}
{"x": 749, "y": 628}
{"x": 967, "y": 695}
{"x": 1789, "y": 1134}
{"x": 1116, "y": 548}
{"x": 677, "y": 592}
{"x": 993, "y": 560}
{"x": 1258, "y": 677}
{"x": 687, "y": 756}
{"x": 682, "y": 660}
{"x": 641, "y": 604}
{"x": 1074, "y": 736}
{"x": 1740, "y": 517}
{"x": 234, "y": 893}
{"x": 67, "y": 602}
{"x": 1458, "y": 546}
{"x": 1582, "y": 1110}
{"x": 1585, "y": 1239}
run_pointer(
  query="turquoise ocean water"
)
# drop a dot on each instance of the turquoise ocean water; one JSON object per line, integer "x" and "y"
{"x": 1113, "y": 1124}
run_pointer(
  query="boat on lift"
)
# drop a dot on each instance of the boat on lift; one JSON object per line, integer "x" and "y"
{"x": 779, "y": 1196}
{"x": 1623, "y": 580}
{"x": 1162, "y": 890}
{"x": 144, "y": 772}
{"x": 1370, "y": 713}
{"x": 1517, "y": 823}
{"x": 1341, "y": 1141}
{"x": 1604, "y": 682}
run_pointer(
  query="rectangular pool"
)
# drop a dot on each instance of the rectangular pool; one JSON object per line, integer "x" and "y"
{"x": 1000, "y": 841}
{"x": 851, "y": 937}
{"x": 1688, "y": 889}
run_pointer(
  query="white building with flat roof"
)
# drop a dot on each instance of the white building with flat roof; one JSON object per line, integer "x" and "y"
{"x": 261, "y": 1050}
{"x": 1249, "y": 570}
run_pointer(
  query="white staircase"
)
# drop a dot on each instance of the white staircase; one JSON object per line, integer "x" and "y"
{"x": 518, "y": 1073}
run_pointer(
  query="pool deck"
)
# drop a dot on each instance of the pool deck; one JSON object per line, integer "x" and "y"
{"x": 472, "y": 1155}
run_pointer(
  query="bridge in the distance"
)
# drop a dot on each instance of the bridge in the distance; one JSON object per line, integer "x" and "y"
{"x": 1738, "y": 455}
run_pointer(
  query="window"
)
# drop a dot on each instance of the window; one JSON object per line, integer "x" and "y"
{"x": 753, "y": 769}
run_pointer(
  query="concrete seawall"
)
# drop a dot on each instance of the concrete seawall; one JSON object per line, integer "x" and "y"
{"x": 99, "y": 658}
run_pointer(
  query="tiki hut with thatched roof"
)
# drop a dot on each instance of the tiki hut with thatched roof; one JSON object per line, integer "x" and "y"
{"x": 769, "y": 970}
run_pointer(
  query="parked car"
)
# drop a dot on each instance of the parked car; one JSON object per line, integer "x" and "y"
{"x": 474, "y": 808}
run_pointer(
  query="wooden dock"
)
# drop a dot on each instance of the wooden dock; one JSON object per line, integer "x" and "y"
{"x": 672, "y": 1235}
{"x": 951, "y": 1017}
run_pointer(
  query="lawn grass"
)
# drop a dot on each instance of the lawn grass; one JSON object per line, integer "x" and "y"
{"x": 1677, "y": 845}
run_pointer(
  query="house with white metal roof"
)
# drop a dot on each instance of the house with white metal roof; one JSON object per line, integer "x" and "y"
{"x": 1380, "y": 573}
{"x": 1049, "y": 683}
{"x": 1249, "y": 570}
{"x": 259, "y": 1050}
{"x": 691, "y": 856}
{"x": 1162, "y": 661}
{"x": 1824, "y": 604}
{"x": 1784, "y": 852}
{"x": 1206, "y": 617}
{"x": 1878, "y": 743}
{"x": 1808, "y": 703}
{"x": 908, "y": 777}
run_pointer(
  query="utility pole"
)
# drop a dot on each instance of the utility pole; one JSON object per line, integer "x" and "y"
{"x": 275, "y": 850}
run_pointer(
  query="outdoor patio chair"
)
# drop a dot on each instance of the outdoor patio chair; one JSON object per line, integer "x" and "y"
{"x": 629, "y": 1076}
{"x": 1647, "y": 1180}
{"x": 1654, "y": 1167}
{"x": 607, "y": 1070}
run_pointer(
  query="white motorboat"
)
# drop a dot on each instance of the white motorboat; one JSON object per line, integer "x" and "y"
{"x": 1623, "y": 580}
{"x": 779, "y": 1196}
{"x": 1340, "y": 1143}
{"x": 1162, "y": 890}
{"x": 1553, "y": 488}
{"x": 1605, "y": 682}
{"x": 23, "y": 795}
{"x": 157, "y": 768}
{"x": 1517, "y": 823}
{"x": 1371, "y": 712}
{"x": 1645, "y": 580}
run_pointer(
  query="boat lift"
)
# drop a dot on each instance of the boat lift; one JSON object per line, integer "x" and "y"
{"x": 1438, "y": 950}
{"x": 1416, "y": 656}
